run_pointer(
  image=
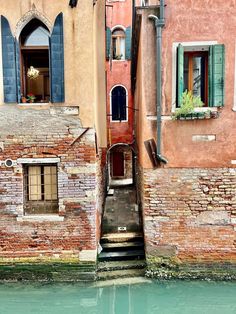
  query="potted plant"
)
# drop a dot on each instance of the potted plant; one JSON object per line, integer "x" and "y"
{"x": 23, "y": 99}
{"x": 187, "y": 106}
{"x": 31, "y": 98}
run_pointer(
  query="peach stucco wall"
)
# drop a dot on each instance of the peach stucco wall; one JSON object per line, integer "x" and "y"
{"x": 80, "y": 51}
{"x": 187, "y": 21}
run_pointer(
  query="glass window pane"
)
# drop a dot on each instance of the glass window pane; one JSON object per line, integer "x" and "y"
{"x": 39, "y": 37}
{"x": 186, "y": 72}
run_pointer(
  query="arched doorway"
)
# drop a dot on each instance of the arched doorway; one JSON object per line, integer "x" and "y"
{"x": 34, "y": 56}
{"x": 121, "y": 165}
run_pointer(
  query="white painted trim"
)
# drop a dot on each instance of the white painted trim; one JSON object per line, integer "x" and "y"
{"x": 38, "y": 160}
{"x": 189, "y": 46}
{"x": 234, "y": 104}
{"x": 127, "y": 104}
{"x": 40, "y": 218}
{"x": 118, "y": 26}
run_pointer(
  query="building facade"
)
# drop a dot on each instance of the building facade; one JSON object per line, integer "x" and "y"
{"x": 120, "y": 111}
{"x": 188, "y": 185}
{"x": 51, "y": 142}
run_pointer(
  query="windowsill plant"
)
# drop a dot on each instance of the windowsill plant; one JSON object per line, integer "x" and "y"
{"x": 188, "y": 106}
{"x": 31, "y": 98}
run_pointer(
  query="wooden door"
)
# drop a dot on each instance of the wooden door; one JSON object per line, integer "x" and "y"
{"x": 118, "y": 164}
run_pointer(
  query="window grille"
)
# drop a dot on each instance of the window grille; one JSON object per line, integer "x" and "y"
{"x": 40, "y": 189}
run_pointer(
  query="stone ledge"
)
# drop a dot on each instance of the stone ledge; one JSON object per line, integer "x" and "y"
{"x": 40, "y": 218}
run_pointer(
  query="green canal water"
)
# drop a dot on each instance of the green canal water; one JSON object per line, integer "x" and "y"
{"x": 170, "y": 297}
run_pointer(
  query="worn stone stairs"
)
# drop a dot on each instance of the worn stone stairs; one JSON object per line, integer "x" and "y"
{"x": 122, "y": 255}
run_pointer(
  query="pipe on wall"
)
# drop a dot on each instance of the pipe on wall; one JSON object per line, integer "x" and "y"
{"x": 159, "y": 24}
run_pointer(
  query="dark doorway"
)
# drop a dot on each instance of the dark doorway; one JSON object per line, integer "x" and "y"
{"x": 34, "y": 47}
{"x": 118, "y": 164}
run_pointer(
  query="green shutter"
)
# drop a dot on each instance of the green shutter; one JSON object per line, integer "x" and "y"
{"x": 216, "y": 69}
{"x": 180, "y": 73}
{"x": 128, "y": 43}
{"x": 108, "y": 42}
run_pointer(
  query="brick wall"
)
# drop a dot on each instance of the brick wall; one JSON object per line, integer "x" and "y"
{"x": 48, "y": 133}
{"x": 190, "y": 214}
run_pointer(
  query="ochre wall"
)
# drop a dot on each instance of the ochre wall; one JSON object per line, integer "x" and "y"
{"x": 78, "y": 47}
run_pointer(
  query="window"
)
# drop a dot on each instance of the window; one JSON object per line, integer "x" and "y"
{"x": 119, "y": 104}
{"x": 201, "y": 70}
{"x": 34, "y": 42}
{"x": 144, "y": 3}
{"x": 118, "y": 44}
{"x": 39, "y": 48}
{"x": 40, "y": 189}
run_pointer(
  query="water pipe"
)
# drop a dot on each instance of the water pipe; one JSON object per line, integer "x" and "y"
{"x": 159, "y": 24}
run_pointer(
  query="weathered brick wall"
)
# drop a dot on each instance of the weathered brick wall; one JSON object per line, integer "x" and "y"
{"x": 190, "y": 214}
{"x": 48, "y": 133}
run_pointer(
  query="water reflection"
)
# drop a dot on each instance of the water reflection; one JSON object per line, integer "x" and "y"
{"x": 165, "y": 298}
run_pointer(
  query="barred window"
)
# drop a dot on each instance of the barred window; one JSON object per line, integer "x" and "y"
{"x": 40, "y": 187}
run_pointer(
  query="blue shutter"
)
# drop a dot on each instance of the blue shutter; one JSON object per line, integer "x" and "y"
{"x": 57, "y": 61}
{"x": 9, "y": 62}
{"x": 108, "y": 42}
{"x": 18, "y": 80}
{"x": 128, "y": 43}
{"x": 216, "y": 78}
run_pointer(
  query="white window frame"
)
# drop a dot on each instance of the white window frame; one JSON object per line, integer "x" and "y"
{"x": 127, "y": 104}
{"x": 188, "y": 46}
{"x": 112, "y": 30}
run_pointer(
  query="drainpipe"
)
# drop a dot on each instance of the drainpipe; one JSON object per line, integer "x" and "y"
{"x": 159, "y": 24}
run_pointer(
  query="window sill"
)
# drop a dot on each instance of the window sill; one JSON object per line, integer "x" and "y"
{"x": 198, "y": 115}
{"x": 27, "y": 104}
{"x": 40, "y": 218}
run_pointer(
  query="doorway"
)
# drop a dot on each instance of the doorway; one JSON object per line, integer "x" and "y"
{"x": 118, "y": 170}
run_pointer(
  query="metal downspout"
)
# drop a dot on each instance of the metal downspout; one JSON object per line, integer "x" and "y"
{"x": 159, "y": 23}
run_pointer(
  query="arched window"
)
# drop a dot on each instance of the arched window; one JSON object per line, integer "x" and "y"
{"x": 118, "y": 44}
{"x": 119, "y": 104}
{"x": 34, "y": 44}
{"x": 33, "y": 61}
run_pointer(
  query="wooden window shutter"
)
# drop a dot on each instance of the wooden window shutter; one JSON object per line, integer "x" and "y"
{"x": 57, "y": 61}
{"x": 108, "y": 42}
{"x": 128, "y": 43}
{"x": 9, "y": 62}
{"x": 180, "y": 74}
{"x": 216, "y": 76}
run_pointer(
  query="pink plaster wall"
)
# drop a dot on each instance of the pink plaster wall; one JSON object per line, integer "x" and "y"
{"x": 187, "y": 20}
{"x": 118, "y": 73}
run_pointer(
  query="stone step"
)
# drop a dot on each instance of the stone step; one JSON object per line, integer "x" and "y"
{"x": 121, "y": 255}
{"x": 118, "y": 246}
{"x": 120, "y": 274}
{"x": 121, "y": 265}
{"x": 119, "y": 237}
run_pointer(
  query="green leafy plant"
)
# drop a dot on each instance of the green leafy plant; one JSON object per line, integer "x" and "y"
{"x": 187, "y": 105}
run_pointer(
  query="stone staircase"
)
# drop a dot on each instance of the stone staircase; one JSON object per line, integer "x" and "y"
{"x": 122, "y": 255}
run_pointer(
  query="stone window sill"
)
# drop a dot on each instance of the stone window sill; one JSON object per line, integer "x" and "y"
{"x": 40, "y": 218}
{"x": 199, "y": 114}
